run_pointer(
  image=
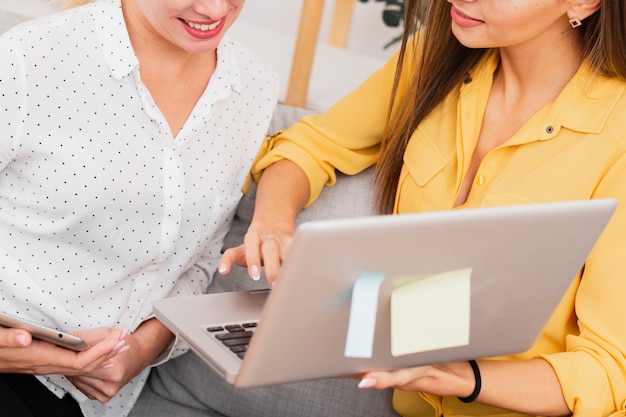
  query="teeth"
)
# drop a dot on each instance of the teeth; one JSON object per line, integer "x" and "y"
{"x": 203, "y": 27}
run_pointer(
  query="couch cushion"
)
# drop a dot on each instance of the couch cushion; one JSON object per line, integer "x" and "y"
{"x": 351, "y": 196}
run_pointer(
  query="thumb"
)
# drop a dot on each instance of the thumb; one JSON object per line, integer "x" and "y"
{"x": 12, "y": 338}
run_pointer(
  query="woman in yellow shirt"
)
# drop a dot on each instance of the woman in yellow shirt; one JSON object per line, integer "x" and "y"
{"x": 496, "y": 102}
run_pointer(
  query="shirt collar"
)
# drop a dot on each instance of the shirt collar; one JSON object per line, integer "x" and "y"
{"x": 584, "y": 105}
{"x": 112, "y": 34}
{"x": 588, "y": 100}
{"x": 228, "y": 69}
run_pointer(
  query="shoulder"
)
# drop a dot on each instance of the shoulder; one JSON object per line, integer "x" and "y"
{"x": 248, "y": 60}
{"x": 53, "y": 29}
{"x": 254, "y": 71}
{"x": 604, "y": 102}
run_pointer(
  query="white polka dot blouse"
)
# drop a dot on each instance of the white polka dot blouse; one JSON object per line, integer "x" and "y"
{"x": 102, "y": 211}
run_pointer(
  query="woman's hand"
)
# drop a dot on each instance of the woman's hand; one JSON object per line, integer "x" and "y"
{"x": 139, "y": 351}
{"x": 281, "y": 195}
{"x": 264, "y": 244}
{"x": 524, "y": 386}
{"x": 454, "y": 379}
{"x": 20, "y": 353}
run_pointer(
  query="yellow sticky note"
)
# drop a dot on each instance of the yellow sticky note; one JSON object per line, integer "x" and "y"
{"x": 430, "y": 312}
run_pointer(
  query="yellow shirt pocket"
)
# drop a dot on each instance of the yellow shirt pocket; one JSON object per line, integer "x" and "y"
{"x": 423, "y": 167}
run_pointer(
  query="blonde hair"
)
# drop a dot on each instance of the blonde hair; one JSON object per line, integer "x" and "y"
{"x": 68, "y": 4}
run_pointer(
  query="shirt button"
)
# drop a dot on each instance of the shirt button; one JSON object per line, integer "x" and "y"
{"x": 480, "y": 180}
{"x": 549, "y": 129}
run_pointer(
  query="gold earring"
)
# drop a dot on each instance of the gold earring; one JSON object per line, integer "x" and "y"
{"x": 575, "y": 22}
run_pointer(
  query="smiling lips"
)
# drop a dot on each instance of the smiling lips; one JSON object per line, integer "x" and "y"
{"x": 203, "y": 27}
{"x": 462, "y": 19}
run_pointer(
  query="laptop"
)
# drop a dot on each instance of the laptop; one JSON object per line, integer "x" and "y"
{"x": 510, "y": 267}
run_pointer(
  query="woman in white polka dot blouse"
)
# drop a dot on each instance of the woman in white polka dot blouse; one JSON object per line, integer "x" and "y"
{"x": 127, "y": 131}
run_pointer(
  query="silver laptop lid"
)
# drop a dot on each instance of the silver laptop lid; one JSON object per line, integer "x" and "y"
{"x": 521, "y": 260}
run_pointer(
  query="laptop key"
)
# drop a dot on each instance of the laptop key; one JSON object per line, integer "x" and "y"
{"x": 235, "y": 342}
{"x": 234, "y": 335}
{"x": 238, "y": 348}
{"x": 215, "y": 329}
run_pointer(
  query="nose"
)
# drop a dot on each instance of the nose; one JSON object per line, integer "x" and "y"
{"x": 215, "y": 9}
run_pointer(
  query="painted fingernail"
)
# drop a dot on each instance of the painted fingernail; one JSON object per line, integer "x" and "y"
{"x": 367, "y": 383}
{"x": 124, "y": 334}
{"x": 255, "y": 273}
{"x": 21, "y": 340}
{"x": 221, "y": 268}
{"x": 119, "y": 345}
{"x": 124, "y": 349}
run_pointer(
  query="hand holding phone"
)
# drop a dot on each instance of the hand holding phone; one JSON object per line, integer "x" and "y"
{"x": 38, "y": 331}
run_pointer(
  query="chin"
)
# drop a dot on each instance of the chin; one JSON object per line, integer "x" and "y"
{"x": 203, "y": 47}
{"x": 473, "y": 42}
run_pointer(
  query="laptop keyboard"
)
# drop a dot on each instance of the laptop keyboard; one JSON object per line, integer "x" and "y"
{"x": 235, "y": 337}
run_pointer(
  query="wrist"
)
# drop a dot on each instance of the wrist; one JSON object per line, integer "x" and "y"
{"x": 454, "y": 379}
{"x": 153, "y": 337}
{"x": 477, "y": 383}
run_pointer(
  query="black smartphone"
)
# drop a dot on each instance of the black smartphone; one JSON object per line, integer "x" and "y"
{"x": 63, "y": 339}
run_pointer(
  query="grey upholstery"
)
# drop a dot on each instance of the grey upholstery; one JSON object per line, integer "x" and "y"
{"x": 10, "y": 19}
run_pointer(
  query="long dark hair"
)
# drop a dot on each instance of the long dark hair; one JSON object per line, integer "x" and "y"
{"x": 444, "y": 63}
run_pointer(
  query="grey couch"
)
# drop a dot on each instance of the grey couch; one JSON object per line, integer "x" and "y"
{"x": 351, "y": 196}
{"x": 10, "y": 19}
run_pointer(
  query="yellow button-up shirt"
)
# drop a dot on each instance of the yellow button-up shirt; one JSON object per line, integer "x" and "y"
{"x": 574, "y": 148}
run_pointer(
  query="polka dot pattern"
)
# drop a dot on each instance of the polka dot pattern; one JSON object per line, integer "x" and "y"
{"x": 101, "y": 209}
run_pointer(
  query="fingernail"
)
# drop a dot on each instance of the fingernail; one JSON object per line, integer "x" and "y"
{"x": 367, "y": 383}
{"x": 124, "y": 349}
{"x": 21, "y": 340}
{"x": 221, "y": 268}
{"x": 107, "y": 366}
{"x": 119, "y": 345}
{"x": 124, "y": 334}
{"x": 255, "y": 273}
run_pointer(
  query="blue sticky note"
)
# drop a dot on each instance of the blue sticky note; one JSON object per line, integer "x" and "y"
{"x": 363, "y": 308}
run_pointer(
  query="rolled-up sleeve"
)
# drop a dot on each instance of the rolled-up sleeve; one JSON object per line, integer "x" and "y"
{"x": 346, "y": 137}
{"x": 592, "y": 370}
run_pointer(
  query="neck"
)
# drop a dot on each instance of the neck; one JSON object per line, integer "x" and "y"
{"x": 534, "y": 70}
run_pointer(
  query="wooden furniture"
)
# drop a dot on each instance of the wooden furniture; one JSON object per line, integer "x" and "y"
{"x": 306, "y": 44}
{"x": 314, "y": 70}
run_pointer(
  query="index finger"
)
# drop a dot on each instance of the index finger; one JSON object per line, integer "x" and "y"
{"x": 252, "y": 246}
